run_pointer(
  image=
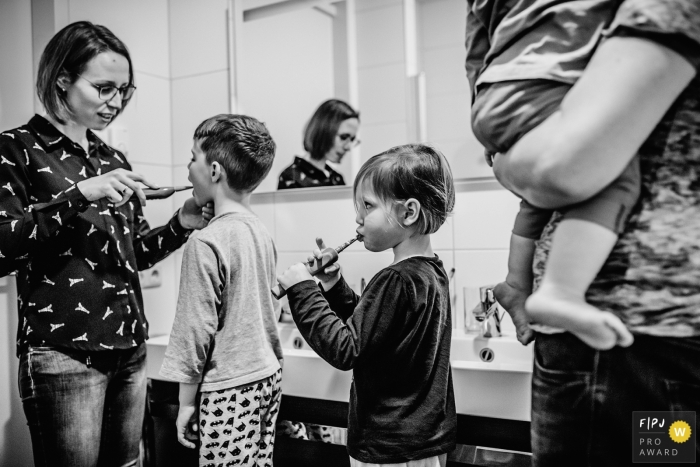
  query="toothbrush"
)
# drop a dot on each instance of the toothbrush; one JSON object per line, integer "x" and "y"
{"x": 164, "y": 192}
{"x": 328, "y": 256}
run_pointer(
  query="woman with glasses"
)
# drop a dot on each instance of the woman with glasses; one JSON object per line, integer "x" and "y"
{"x": 330, "y": 134}
{"x": 72, "y": 229}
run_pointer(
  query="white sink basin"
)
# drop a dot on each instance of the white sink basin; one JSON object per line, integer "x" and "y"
{"x": 498, "y": 388}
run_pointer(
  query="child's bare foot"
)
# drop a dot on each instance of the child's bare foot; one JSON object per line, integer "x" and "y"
{"x": 513, "y": 301}
{"x": 601, "y": 330}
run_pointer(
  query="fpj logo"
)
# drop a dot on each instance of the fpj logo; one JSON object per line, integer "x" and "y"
{"x": 667, "y": 437}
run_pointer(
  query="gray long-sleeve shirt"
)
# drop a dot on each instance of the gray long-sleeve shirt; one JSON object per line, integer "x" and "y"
{"x": 225, "y": 330}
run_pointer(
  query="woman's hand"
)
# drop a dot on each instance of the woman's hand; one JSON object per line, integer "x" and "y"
{"x": 192, "y": 216}
{"x": 295, "y": 274}
{"x": 117, "y": 186}
{"x": 187, "y": 427}
{"x": 330, "y": 275}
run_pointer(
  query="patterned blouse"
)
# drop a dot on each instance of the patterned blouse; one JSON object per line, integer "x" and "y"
{"x": 76, "y": 261}
{"x": 652, "y": 278}
{"x": 303, "y": 174}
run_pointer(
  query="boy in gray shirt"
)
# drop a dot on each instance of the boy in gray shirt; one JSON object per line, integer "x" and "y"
{"x": 224, "y": 346}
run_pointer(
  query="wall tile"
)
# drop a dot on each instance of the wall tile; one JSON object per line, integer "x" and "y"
{"x": 448, "y": 116}
{"x": 263, "y": 206}
{"x": 466, "y": 157}
{"x": 147, "y": 120}
{"x": 160, "y": 302}
{"x": 380, "y": 36}
{"x": 484, "y": 219}
{"x": 379, "y": 137}
{"x": 303, "y": 215}
{"x": 195, "y": 99}
{"x": 198, "y": 37}
{"x": 445, "y": 72}
{"x": 441, "y": 22}
{"x": 382, "y": 92}
{"x": 142, "y": 26}
{"x": 362, "y": 5}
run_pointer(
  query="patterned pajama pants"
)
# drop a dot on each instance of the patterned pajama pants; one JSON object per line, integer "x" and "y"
{"x": 238, "y": 424}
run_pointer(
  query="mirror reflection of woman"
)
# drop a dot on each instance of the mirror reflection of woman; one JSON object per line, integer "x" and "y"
{"x": 329, "y": 136}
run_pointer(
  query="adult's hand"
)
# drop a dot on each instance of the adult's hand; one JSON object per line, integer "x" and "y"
{"x": 193, "y": 216}
{"x": 117, "y": 186}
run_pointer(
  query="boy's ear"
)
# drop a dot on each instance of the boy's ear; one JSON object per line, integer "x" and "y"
{"x": 216, "y": 172}
{"x": 410, "y": 212}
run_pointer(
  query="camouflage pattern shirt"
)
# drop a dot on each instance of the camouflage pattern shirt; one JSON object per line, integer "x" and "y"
{"x": 652, "y": 278}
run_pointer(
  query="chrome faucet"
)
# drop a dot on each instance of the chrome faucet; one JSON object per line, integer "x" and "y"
{"x": 487, "y": 313}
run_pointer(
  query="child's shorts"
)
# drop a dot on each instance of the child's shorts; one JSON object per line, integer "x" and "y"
{"x": 504, "y": 112}
{"x": 237, "y": 425}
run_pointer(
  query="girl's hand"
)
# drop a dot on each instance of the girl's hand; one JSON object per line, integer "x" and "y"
{"x": 330, "y": 275}
{"x": 117, "y": 186}
{"x": 295, "y": 274}
{"x": 187, "y": 426}
{"x": 192, "y": 216}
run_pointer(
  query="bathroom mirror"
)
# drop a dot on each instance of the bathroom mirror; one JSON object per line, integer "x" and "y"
{"x": 399, "y": 62}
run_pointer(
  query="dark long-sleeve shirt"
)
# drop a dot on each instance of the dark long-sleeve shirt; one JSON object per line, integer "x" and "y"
{"x": 76, "y": 261}
{"x": 396, "y": 338}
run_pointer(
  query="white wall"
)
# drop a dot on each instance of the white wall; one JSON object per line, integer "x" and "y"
{"x": 16, "y": 108}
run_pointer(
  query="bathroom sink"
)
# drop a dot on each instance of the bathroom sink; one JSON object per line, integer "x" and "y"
{"x": 491, "y": 376}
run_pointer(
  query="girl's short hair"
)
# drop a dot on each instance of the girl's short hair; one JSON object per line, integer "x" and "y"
{"x": 412, "y": 171}
{"x": 68, "y": 53}
{"x": 241, "y": 144}
{"x": 320, "y": 132}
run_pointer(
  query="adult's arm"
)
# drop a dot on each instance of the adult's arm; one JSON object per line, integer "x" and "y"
{"x": 622, "y": 95}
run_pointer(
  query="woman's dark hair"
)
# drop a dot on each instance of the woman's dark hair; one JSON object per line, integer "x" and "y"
{"x": 67, "y": 54}
{"x": 320, "y": 132}
{"x": 411, "y": 171}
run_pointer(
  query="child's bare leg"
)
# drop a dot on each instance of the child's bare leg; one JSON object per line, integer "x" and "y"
{"x": 512, "y": 293}
{"x": 579, "y": 249}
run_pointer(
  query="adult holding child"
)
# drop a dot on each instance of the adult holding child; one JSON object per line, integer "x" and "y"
{"x": 328, "y": 137}
{"x": 639, "y": 94}
{"x": 73, "y": 230}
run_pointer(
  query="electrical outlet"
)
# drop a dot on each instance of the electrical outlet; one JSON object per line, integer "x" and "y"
{"x": 151, "y": 278}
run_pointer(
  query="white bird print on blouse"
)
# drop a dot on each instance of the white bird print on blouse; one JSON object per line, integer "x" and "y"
{"x": 110, "y": 347}
{"x": 58, "y": 218}
{"x": 9, "y": 187}
{"x": 12, "y": 224}
{"x": 8, "y": 134}
{"x": 54, "y": 142}
{"x": 56, "y": 326}
{"x": 33, "y": 234}
{"x": 80, "y": 307}
{"x": 69, "y": 180}
{"x": 107, "y": 285}
{"x": 120, "y": 331}
{"x": 66, "y": 253}
{"x": 4, "y": 160}
{"x": 107, "y": 313}
{"x": 45, "y": 169}
{"x": 122, "y": 292}
{"x": 48, "y": 281}
{"x": 75, "y": 281}
{"x": 92, "y": 229}
{"x": 47, "y": 309}
{"x": 65, "y": 155}
{"x": 26, "y": 156}
{"x": 104, "y": 248}
{"x": 91, "y": 264}
{"x": 133, "y": 327}
{"x": 81, "y": 338}
{"x": 128, "y": 266}
{"x": 105, "y": 213}
{"x": 82, "y": 172}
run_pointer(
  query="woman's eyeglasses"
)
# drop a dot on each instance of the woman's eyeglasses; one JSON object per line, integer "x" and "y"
{"x": 108, "y": 92}
{"x": 345, "y": 137}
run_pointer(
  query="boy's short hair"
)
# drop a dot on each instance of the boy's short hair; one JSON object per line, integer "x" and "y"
{"x": 320, "y": 132}
{"x": 241, "y": 144}
{"x": 412, "y": 171}
{"x": 68, "y": 53}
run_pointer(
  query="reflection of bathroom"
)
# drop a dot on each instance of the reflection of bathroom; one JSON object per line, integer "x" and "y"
{"x": 400, "y": 63}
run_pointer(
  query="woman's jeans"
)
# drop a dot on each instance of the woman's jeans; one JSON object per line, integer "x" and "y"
{"x": 583, "y": 399}
{"x": 84, "y": 409}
